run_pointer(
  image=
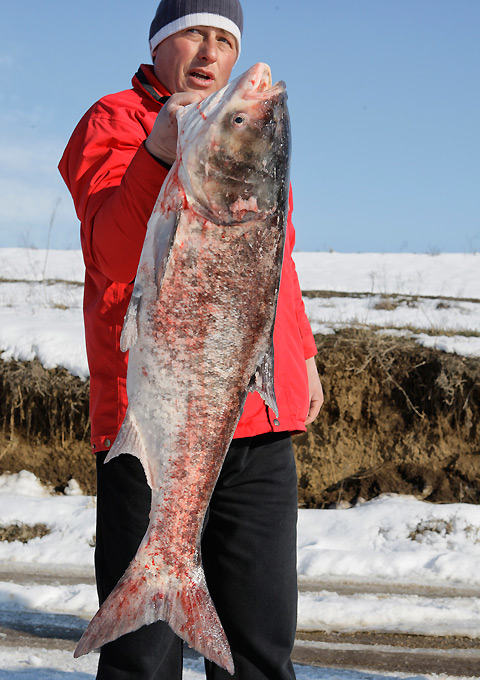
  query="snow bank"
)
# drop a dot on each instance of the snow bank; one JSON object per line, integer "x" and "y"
{"x": 390, "y": 540}
{"x": 396, "y": 539}
{"x": 32, "y": 264}
{"x": 70, "y": 518}
{"x": 447, "y": 274}
{"x": 41, "y": 300}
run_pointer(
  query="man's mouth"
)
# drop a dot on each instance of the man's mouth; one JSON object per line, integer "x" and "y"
{"x": 202, "y": 76}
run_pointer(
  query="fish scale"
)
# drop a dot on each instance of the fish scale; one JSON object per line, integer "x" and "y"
{"x": 199, "y": 330}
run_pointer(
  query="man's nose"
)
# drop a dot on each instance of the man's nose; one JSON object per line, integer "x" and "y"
{"x": 208, "y": 50}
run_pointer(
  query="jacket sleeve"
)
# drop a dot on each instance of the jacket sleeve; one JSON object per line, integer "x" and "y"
{"x": 309, "y": 345}
{"x": 114, "y": 183}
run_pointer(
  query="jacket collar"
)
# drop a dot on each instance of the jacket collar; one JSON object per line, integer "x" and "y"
{"x": 146, "y": 81}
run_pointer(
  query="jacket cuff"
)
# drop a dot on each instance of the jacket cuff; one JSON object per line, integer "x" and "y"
{"x": 309, "y": 346}
{"x": 159, "y": 160}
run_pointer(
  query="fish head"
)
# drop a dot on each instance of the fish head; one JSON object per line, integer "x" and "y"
{"x": 234, "y": 150}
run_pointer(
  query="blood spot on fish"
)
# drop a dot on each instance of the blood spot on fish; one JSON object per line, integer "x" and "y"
{"x": 201, "y": 112}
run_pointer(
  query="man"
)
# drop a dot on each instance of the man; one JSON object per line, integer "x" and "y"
{"x": 114, "y": 165}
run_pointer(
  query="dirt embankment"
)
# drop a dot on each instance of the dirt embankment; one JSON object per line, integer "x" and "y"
{"x": 397, "y": 418}
{"x": 45, "y": 424}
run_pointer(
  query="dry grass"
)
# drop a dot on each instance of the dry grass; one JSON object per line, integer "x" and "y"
{"x": 42, "y": 404}
{"x": 23, "y": 532}
{"x": 400, "y": 297}
{"x": 398, "y": 418}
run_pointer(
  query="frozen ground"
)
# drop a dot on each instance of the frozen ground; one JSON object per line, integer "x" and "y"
{"x": 25, "y": 664}
{"x": 391, "y": 540}
{"x": 420, "y": 548}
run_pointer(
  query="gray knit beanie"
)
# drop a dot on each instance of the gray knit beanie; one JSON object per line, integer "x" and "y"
{"x": 175, "y": 15}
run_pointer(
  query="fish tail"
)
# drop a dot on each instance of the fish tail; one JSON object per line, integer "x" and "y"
{"x": 185, "y": 604}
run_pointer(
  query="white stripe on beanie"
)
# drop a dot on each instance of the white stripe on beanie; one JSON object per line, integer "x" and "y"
{"x": 199, "y": 19}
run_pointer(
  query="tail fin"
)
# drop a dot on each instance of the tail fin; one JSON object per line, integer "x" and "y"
{"x": 143, "y": 596}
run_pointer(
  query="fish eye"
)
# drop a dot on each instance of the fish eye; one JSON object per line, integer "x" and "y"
{"x": 240, "y": 120}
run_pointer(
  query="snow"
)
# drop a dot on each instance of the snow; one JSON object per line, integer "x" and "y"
{"x": 76, "y": 600}
{"x": 393, "y": 539}
{"x": 70, "y": 518}
{"x": 433, "y": 298}
{"x": 32, "y": 264}
{"x": 446, "y": 274}
{"x": 24, "y": 664}
{"x": 433, "y": 314}
{"x": 41, "y": 297}
{"x": 412, "y": 614}
{"x": 54, "y": 337}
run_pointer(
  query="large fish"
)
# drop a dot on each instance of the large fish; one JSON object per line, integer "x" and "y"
{"x": 199, "y": 328}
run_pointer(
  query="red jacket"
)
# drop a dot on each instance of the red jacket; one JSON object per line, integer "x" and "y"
{"x": 114, "y": 183}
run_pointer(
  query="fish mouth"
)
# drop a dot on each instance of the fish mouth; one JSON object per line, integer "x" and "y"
{"x": 259, "y": 81}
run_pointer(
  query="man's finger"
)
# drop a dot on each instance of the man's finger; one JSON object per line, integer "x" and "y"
{"x": 181, "y": 99}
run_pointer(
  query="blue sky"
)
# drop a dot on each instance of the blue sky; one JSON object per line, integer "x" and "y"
{"x": 383, "y": 97}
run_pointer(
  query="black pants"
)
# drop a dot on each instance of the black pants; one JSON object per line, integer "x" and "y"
{"x": 249, "y": 557}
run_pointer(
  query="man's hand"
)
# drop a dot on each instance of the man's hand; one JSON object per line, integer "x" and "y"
{"x": 315, "y": 389}
{"x": 162, "y": 141}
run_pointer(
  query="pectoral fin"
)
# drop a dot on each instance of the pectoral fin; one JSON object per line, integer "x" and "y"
{"x": 130, "y": 325}
{"x": 262, "y": 381}
{"x": 162, "y": 246}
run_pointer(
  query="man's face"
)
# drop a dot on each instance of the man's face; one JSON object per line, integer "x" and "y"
{"x": 198, "y": 59}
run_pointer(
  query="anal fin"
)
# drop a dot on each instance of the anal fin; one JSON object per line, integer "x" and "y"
{"x": 130, "y": 440}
